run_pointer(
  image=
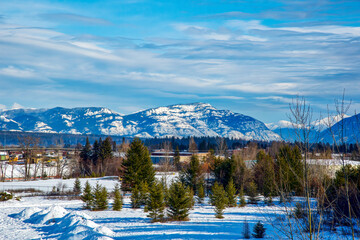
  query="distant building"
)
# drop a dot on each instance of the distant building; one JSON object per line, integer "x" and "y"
{"x": 4, "y": 156}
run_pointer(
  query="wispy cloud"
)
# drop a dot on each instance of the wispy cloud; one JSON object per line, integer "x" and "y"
{"x": 74, "y": 18}
{"x": 264, "y": 57}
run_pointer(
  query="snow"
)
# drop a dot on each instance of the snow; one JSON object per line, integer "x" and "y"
{"x": 182, "y": 120}
{"x": 38, "y": 217}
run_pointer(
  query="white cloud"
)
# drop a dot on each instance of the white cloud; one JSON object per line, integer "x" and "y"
{"x": 16, "y": 72}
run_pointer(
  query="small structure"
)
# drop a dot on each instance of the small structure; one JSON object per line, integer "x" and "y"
{"x": 4, "y": 156}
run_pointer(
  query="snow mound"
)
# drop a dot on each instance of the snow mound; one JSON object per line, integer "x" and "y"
{"x": 77, "y": 225}
{"x": 26, "y": 213}
{"x": 66, "y": 225}
{"x": 46, "y": 216}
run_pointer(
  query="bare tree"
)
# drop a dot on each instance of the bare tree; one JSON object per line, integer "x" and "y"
{"x": 338, "y": 136}
{"x": 27, "y": 143}
{"x": 301, "y": 117}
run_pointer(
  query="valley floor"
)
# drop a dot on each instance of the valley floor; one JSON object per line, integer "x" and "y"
{"x": 38, "y": 217}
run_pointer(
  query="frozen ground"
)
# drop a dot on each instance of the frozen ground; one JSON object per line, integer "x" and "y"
{"x": 42, "y": 218}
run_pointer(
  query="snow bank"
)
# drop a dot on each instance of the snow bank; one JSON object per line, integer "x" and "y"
{"x": 46, "y": 216}
{"x": 74, "y": 225}
{"x": 77, "y": 225}
{"x": 26, "y": 213}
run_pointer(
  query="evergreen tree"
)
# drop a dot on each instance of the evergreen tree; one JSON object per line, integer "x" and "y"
{"x": 144, "y": 193}
{"x": 218, "y": 199}
{"x": 190, "y": 194}
{"x": 242, "y": 202}
{"x": 177, "y": 159}
{"x": 100, "y": 198}
{"x": 95, "y": 154}
{"x": 264, "y": 175}
{"x": 231, "y": 193}
{"x": 252, "y": 193}
{"x": 165, "y": 190}
{"x": 118, "y": 200}
{"x": 290, "y": 170}
{"x": 87, "y": 197}
{"x": 156, "y": 203}
{"x": 259, "y": 230}
{"x": 201, "y": 193}
{"x": 85, "y": 156}
{"x": 135, "y": 198}
{"x": 192, "y": 175}
{"x": 137, "y": 166}
{"x": 103, "y": 203}
{"x": 105, "y": 154}
{"x": 77, "y": 186}
{"x": 179, "y": 202}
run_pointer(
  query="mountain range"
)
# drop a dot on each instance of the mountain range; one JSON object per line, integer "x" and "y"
{"x": 181, "y": 120}
{"x": 324, "y": 130}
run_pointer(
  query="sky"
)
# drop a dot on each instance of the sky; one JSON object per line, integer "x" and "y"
{"x": 252, "y": 57}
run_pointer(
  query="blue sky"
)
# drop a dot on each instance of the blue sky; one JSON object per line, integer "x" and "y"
{"x": 251, "y": 57}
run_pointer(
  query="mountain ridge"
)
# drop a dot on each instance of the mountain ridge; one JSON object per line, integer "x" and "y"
{"x": 179, "y": 120}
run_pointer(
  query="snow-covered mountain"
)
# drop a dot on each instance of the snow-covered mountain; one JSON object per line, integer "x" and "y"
{"x": 349, "y": 128}
{"x": 197, "y": 119}
{"x": 319, "y": 129}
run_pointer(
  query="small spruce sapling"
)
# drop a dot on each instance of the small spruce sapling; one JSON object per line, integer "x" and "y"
{"x": 252, "y": 193}
{"x": 259, "y": 230}
{"x": 218, "y": 199}
{"x": 87, "y": 197}
{"x": 135, "y": 198}
{"x": 77, "y": 187}
{"x": 156, "y": 203}
{"x": 179, "y": 202}
{"x": 103, "y": 203}
{"x": 231, "y": 193}
{"x": 242, "y": 202}
{"x": 201, "y": 194}
{"x": 118, "y": 200}
{"x": 190, "y": 193}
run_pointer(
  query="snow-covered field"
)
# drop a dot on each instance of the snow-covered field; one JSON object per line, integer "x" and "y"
{"x": 37, "y": 217}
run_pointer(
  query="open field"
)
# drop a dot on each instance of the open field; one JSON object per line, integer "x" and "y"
{"x": 41, "y": 217}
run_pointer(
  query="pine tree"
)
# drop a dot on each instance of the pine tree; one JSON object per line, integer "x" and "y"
{"x": 77, "y": 186}
{"x": 192, "y": 176}
{"x": 190, "y": 194}
{"x": 264, "y": 174}
{"x": 218, "y": 199}
{"x": 135, "y": 198}
{"x": 95, "y": 154}
{"x": 165, "y": 191}
{"x": 231, "y": 193}
{"x": 98, "y": 197}
{"x": 259, "y": 230}
{"x": 87, "y": 197}
{"x": 85, "y": 156}
{"x": 118, "y": 200}
{"x": 177, "y": 159}
{"x": 105, "y": 154}
{"x": 156, "y": 203}
{"x": 252, "y": 193}
{"x": 242, "y": 202}
{"x": 144, "y": 193}
{"x": 137, "y": 166}
{"x": 103, "y": 202}
{"x": 179, "y": 202}
{"x": 201, "y": 193}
